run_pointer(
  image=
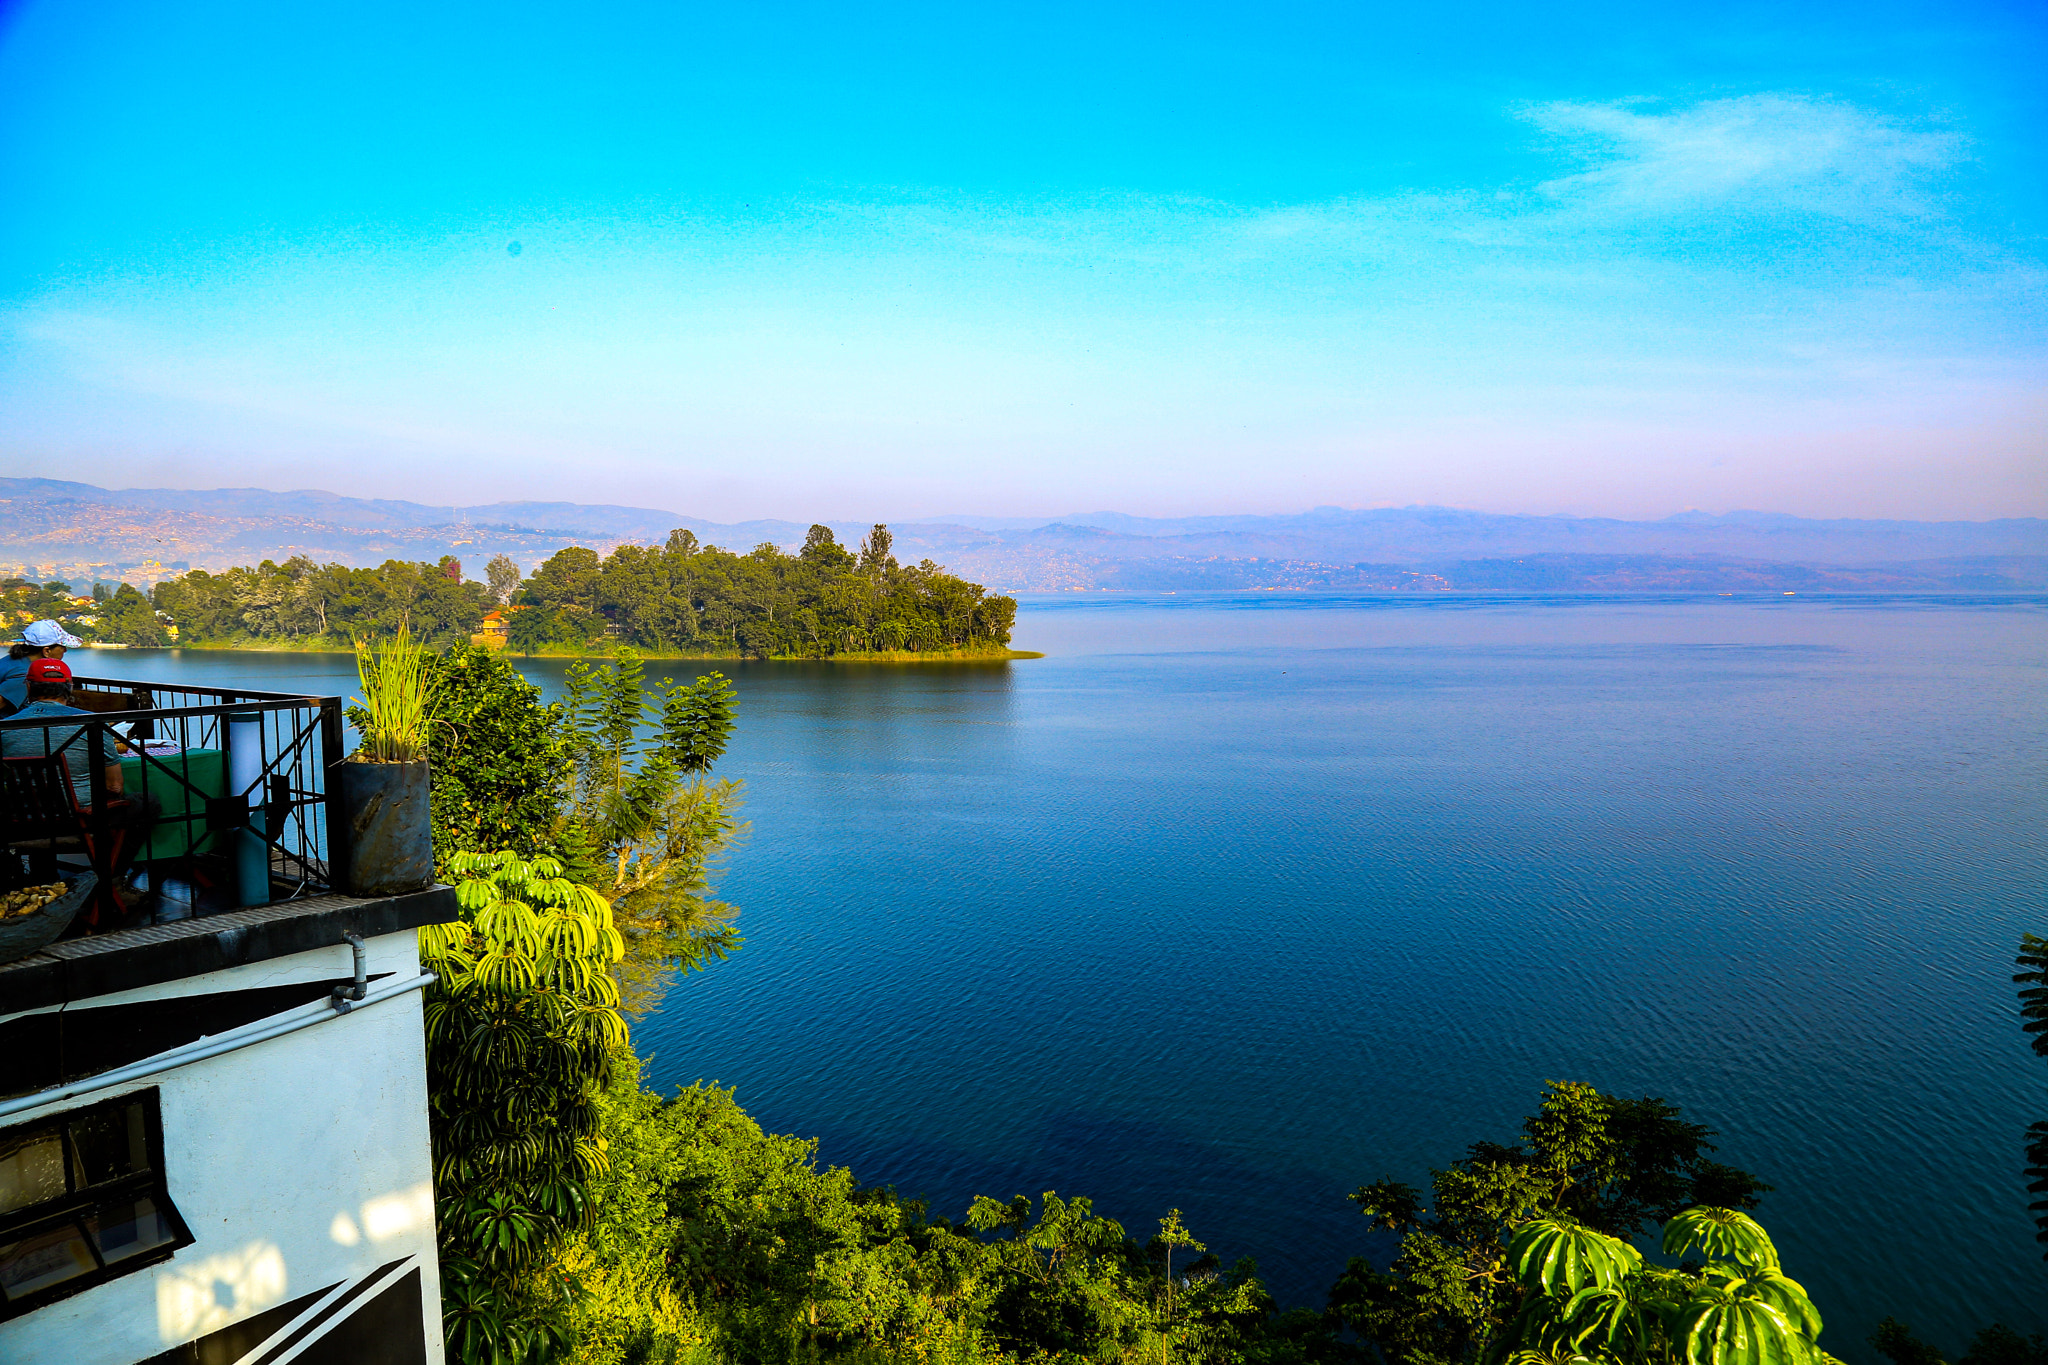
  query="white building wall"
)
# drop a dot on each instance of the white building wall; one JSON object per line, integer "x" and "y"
{"x": 296, "y": 1163}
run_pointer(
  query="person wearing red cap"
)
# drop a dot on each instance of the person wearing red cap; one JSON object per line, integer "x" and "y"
{"x": 49, "y": 698}
{"x": 48, "y": 688}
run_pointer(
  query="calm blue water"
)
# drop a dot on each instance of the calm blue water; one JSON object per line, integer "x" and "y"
{"x": 1236, "y": 902}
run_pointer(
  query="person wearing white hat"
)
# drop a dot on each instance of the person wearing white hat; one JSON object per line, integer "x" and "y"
{"x": 42, "y": 640}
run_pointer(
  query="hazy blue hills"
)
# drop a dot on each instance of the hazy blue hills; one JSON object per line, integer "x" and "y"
{"x": 54, "y": 527}
{"x": 1408, "y": 533}
{"x": 312, "y": 506}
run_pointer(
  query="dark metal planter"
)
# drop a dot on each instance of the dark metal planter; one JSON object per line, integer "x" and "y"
{"x": 386, "y": 825}
{"x": 25, "y": 934}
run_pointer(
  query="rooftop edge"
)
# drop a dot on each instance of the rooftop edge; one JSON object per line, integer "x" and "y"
{"x": 149, "y": 955}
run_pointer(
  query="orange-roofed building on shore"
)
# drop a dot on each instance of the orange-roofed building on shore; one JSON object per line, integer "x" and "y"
{"x": 490, "y": 632}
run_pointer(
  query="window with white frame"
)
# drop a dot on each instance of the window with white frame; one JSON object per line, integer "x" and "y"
{"x": 83, "y": 1201}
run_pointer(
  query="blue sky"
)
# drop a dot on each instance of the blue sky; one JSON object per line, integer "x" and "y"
{"x": 896, "y": 260}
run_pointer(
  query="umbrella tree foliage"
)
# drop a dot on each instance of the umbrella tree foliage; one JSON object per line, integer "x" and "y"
{"x": 1586, "y": 1296}
{"x": 522, "y": 1024}
{"x": 533, "y": 804}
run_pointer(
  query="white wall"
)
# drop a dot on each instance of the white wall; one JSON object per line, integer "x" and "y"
{"x": 296, "y": 1162}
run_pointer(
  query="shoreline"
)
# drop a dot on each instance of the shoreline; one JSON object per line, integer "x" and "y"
{"x": 892, "y": 656}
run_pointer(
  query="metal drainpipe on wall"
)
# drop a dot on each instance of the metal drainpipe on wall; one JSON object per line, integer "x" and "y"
{"x": 345, "y": 997}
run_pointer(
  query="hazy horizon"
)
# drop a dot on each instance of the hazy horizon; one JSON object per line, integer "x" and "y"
{"x": 909, "y": 260}
{"x": 985, "y": 518}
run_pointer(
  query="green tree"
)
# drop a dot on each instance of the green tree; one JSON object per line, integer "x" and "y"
{"x": 522, "y": 1025}
{"x": 500, "y": 760}
{"x": 127, "y": 617}
{"x": 823, "y": 553}
{"x": 568, "y": 576}
{"x": 501, "y": 579}
{"x": 646, "y": 815}
{"x": 301, "y": 600}
{"x": 713, "y": 1240}
{"x": 710, "y": 1232}
{"x": 697, "y": 721}
{"x": 875, "y": 559}
{"x": 532, "y": 629}
{"x": 1608, "y": 1164}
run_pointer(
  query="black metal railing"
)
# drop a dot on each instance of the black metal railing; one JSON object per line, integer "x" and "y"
{"x": 217, "y": 799}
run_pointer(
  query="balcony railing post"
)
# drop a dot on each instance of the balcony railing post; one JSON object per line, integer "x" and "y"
{"x": 332, "y": 743}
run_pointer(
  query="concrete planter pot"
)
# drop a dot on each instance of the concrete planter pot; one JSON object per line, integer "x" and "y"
{"x": 387, "y": 826}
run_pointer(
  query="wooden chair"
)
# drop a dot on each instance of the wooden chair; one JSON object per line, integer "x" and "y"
{"x": 87, "y": 698}
{"x": 40, "y": 816}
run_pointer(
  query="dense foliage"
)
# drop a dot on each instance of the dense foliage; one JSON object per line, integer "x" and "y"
{"x": 114, "y": 611}
{"x": 642, "y": 822}
{"x": 714, "y": 1241}
{"x": 521, "y": 1025}
{"x": 300, "y": 601}
{"x": 27, "y": 600}
{"x": 1609, "y": 1165}
{"x": 500, "y": 759}
{"x": 823, "y": 600}
{"x": 545, "y": 814}
{"x": 680, "y": 598}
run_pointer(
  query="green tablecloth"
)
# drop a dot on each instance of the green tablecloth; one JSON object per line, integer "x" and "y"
{"x": 183, "y": 782}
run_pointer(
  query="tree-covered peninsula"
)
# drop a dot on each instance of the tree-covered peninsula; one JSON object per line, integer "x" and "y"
{"x": 681, "y": 599}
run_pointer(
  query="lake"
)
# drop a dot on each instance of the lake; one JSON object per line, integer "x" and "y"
{"x": 1235, "y": 902}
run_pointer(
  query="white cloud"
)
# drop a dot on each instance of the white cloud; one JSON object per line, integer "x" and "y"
{"x": 1758, "y": 151}
{"x": 1704, "y": 171}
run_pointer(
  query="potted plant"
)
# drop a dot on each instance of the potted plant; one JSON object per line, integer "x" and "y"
{"x": 381, "y": 789}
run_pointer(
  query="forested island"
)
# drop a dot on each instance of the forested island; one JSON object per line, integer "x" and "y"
{"x": 821, "y": 602}
{"x": 681, "y": 599}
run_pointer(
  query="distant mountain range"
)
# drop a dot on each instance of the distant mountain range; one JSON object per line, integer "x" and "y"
{"x": 50, "y": 528}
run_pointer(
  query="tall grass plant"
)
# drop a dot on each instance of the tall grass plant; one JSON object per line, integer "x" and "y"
{"x": 399, "y": 696}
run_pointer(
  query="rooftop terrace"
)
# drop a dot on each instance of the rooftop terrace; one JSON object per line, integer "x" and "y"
{"x": 192, "y": 801}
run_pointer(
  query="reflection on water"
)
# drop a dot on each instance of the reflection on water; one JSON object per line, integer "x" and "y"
{"x": 1235, "y": 902}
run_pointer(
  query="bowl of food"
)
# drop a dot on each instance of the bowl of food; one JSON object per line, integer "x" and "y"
{"x": 33, "y": 917}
